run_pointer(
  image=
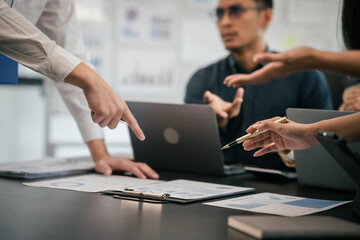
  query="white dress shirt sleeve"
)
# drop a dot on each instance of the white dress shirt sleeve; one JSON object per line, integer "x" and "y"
{"x": 23, "y": 42}
{"x": 59, "y": 22}
{"x": 32, "y": 47}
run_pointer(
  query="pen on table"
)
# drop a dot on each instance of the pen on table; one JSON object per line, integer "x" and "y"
{"x": 250, "y": 135}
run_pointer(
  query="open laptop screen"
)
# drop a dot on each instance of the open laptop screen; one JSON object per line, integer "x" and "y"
{"x": 181, "y": 137}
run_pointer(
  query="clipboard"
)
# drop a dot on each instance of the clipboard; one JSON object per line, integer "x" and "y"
{"x": 177, "y": 191}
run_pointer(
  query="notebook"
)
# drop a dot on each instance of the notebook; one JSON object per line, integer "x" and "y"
{"x": 310, "y": 227}
{"x": 315, "y": 166}
{"x": 180, "y": 137}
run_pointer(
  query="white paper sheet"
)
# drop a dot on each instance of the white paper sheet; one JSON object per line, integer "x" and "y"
{"x": 92, "y": 183}
{"x": 278, "y": 204}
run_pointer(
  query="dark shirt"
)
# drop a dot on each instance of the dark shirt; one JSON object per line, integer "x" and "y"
{"x": 307, "y": 89}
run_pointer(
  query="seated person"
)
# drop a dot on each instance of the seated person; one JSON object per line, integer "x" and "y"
{"x": 242, "y": 24}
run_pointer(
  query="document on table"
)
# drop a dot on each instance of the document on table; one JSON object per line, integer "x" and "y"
{"x": 47, "y": 167}
{"x": 186, "y": 191}
{"x": 182, "y": 191}
{"x": 92, "y": 183}
{"x": 278, "y": 204}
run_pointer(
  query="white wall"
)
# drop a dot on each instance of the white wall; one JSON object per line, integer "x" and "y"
{"x": 193, "y": 42}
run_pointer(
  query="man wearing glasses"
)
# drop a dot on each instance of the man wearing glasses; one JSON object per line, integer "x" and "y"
{"x": 242, "y": 25}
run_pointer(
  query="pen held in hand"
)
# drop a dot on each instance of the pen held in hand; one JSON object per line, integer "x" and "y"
{"x": 250, "y": 135}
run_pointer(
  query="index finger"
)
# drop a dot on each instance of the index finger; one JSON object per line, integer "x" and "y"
{"x": 257, "y": 77}
{"x": 260, "y": 124}
{"x": 129, "y": 118}
{"x": 268, "y": 57}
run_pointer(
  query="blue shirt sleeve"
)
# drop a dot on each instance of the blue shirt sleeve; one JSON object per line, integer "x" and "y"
{"x": 196, "y": 88}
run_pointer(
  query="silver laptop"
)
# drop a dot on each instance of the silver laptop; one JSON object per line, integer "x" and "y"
{"x": 179, "y": 137}
{"x": 315, "y": 166}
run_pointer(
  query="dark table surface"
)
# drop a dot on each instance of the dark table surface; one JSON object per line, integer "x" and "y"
{"x": 42, "y": 213}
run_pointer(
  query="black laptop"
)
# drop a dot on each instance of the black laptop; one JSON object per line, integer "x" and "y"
{"x": 180, "y": 137}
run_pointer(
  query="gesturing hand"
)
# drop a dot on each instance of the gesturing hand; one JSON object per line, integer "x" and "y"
{"x": 224, "y": 110}
{"x": 107, "y": 108}
{"x": 279, "y": 65}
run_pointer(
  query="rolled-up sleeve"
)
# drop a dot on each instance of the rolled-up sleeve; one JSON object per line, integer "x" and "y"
{"x": 26, "y": 44}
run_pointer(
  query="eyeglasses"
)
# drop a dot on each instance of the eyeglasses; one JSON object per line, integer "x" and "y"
{"x": 234, "y": 11}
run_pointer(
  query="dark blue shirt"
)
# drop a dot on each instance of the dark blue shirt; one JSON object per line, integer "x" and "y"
{"x": 307, "y": 89}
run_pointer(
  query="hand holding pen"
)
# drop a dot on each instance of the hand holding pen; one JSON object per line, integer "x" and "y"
{"x": 251, "y": 134}
{"x": 278, "y": 137}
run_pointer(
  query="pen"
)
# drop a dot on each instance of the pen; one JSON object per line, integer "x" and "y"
{"x": 250, "y": 135}
{"x": 144, "y": 194}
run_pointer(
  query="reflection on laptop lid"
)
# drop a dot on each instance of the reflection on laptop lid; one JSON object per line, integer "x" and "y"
{"x": 315, "y": 166}
{"x": 179, "y": 137}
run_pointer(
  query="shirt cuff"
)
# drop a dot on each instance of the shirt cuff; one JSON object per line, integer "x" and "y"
{"x": 62, "y": 64}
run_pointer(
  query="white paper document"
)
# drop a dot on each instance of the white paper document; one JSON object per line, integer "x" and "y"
{"x": 47, "y": 167}
{"x": 187, "y": 190}
{"x": 278, "y": 204}
{"x": 92, "y": 183}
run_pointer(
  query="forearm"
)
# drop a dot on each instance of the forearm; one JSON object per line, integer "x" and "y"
{"x": 347, "y": 63}
{"x": 82, "y": 76}
{"x": 98, "y": 149}
{"x": 347, "y": 127}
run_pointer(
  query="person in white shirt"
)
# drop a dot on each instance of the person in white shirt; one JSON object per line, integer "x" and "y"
{"x": 45, "y": 36}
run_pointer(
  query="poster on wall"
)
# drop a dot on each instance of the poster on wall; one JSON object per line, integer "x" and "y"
{"x": 97, "y": 40}
{"x": 145, "y": 72}
{"x": 312, "y": 11}
{"x": 192, "y": 47}
{"x": 202, "y": 4}
{"x": 146, "y": 22}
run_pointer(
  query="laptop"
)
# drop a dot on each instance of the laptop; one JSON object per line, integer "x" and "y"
{"x": 180, "y": 137}
{"x": 315, "y": 166}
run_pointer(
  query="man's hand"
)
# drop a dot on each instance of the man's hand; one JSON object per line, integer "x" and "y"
{"x": 108, "y": 163}
{"x": 224, "y": 110}
{"x": 105, "y": 164}
{"x": 107, "y": 108}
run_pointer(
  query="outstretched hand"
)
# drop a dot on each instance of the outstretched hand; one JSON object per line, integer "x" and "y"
{"x": 279, "y": 65}
{"x": 224, "y": 110}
